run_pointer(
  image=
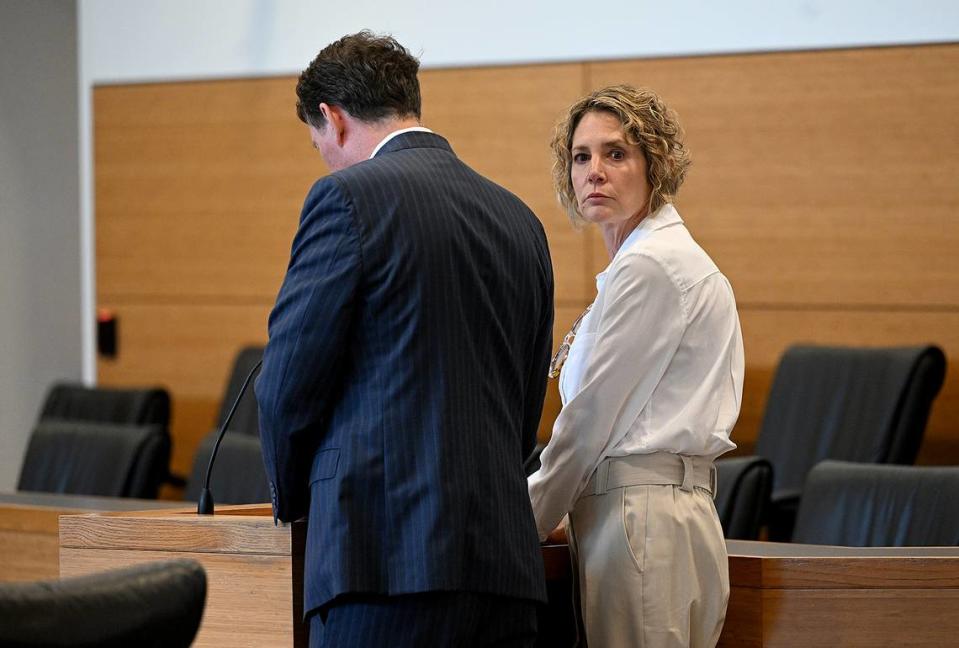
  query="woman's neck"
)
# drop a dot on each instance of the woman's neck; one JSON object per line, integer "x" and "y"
{"x": 615, "y": 233}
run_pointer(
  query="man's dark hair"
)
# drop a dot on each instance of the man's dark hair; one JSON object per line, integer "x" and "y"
{"x": 370, "y": 77}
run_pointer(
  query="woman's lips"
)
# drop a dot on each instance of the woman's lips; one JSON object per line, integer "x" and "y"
{"x": 595, "y": 196}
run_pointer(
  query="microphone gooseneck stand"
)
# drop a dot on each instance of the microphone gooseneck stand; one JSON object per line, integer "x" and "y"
{"x": 205, "y": 505}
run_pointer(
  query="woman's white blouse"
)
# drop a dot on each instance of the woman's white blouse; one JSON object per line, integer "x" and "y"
{"x": 657, "y": 365}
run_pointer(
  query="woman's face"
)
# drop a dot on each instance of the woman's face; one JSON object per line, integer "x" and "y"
{"x": 608, "y": 173}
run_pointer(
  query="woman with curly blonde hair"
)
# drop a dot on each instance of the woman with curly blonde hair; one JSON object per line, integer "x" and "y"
{"x": 651, "y": 382}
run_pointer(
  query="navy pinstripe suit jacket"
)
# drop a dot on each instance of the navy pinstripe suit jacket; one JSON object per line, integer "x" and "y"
{"x": 404, "y": 378}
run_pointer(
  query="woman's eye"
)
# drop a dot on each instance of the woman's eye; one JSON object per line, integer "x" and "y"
{"x": 617, "y": 155}
{"x": 579, "y": 158}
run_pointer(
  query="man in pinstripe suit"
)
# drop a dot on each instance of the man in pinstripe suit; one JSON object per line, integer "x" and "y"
{"x": 404, "y": 377}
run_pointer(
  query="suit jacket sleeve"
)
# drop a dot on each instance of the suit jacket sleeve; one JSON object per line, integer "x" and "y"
{"x": 309, "y": 329}
{"x": 537, "y": 378}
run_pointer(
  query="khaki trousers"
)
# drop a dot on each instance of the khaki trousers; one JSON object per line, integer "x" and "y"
{"x": 649, "y": 553}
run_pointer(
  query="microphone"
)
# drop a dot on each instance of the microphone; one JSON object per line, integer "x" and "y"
{"x": 205, "y": 505}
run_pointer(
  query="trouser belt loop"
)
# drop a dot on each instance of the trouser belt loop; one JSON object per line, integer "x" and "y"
{"x": 688, "y": 475}
{"x": 601, "y": 478}
{"x": 713, "y": 480}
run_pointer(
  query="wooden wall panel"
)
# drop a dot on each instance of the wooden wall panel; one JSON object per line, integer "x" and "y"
{"x": 820, "y": 177}
{"x": 198, "y": 188}
{"x": 823, "y": 184}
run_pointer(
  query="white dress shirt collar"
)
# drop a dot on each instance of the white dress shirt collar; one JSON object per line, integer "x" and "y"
{"x": 386, "y": 139}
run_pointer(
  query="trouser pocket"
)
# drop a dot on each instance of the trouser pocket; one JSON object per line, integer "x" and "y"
{"x": 634, "y": 513}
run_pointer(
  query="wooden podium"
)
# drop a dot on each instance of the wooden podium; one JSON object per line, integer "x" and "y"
{"x": 254, "y": 569}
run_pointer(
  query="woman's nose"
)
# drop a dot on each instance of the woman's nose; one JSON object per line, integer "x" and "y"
{"x": 596, "y": 173}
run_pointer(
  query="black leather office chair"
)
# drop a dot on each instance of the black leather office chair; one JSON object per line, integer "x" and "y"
{"x": 855, "y": 404}
{"x": 105, "y": 459}
{"x": 73, "y": 402}
{"x": 151, "y": 605}
{"x": 236, "y": 478}
{"x": 239, "y": 476}
{"x": 870, "y": 505}
{"x": 106, "y": 408}
{"x": 742, "y": 495}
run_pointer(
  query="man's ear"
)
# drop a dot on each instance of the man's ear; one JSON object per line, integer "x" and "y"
{"x": 335, "y": 119}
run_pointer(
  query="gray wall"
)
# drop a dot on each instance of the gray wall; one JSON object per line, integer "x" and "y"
{"x": 40, "y": 328}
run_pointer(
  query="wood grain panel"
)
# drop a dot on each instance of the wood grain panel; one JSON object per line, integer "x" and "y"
{"x": 223, "y": 166}
{"x": 919, "y": 573}
{"x": 245, "y": 529}
{"x": 248, "y": 612}
{"x": 28, "y": 555}
{"x": 30, "y": 519}
{"x": 29, "y": 544}
{"x": 189, "y": 349}
{"x": 198, "y": 187}
{"x": 254, "y": 582}
{"x": 859, "y": 618}
{"x": 499, "y": 121}
{"x": 743, "y": 627}
{"x": 767, "y": 334}
{"x": 813, "y": 595}
{"x": 819, "y": 177}
{"x": 29, "y": 529}
{"x": 795, "y": 618}
{"x": 823, "y": 185}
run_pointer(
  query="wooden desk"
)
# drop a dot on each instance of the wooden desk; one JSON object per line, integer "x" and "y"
{"x": 29, "y": 528}
{"x": 781, "y": 594}
{"x": 792, "y": 595}
{"x": 254, "y": 569}
{"x": 812, "y": 595}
